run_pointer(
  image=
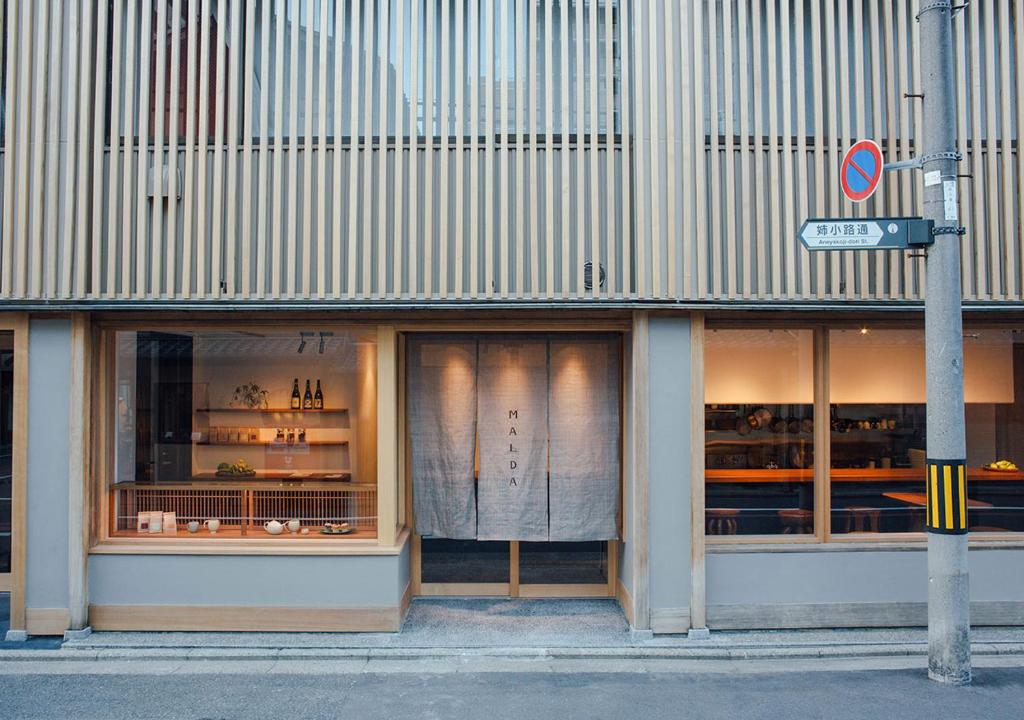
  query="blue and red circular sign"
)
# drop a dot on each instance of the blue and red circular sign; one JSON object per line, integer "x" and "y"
{"x": 862, "y": 170}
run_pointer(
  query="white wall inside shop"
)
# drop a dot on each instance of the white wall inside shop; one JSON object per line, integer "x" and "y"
{"x": 887, "y": 366}
{"x": 669, "y": 470}
{"x": 847, "y": 587}
{"x": 49, "y": 386}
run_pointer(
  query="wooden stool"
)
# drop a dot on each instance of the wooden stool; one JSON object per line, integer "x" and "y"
{"x": 797, "y": 521}
{"x": 862, "y": 519}
{"x": 721, "y": 521}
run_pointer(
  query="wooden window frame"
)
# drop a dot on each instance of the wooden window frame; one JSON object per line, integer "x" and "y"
{"x": 391, "y": 534}
{"x": 14, "y": 581}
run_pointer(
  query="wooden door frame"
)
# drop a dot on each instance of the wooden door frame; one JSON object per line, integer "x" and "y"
{"x": 512, "y": 588}
{"x": 14, "y": 582}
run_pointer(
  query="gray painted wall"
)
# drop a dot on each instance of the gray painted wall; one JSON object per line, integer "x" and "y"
{"x": 669, "y": 447}
{"x": 374, "y": 581}
{"x": 49, "y": 379}
{"x": 854, "y": 576}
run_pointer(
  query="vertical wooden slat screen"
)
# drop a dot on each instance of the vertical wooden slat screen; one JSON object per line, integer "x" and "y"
{"x": 468, "y": 149}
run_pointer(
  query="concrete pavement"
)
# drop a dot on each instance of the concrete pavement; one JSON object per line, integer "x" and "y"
{"x": 301, "y": 689}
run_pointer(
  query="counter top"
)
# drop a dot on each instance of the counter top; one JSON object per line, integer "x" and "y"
{"x": 847, "y": 475}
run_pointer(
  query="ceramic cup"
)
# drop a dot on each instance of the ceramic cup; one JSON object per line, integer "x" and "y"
{"x": 156, "y": 521}
{"x": 213, "y": 525}
{"x": 193, "y": 527}
{"x": 293, "y": 526}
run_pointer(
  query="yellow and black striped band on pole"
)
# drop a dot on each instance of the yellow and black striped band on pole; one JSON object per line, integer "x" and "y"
{"x": 947, "y": 497}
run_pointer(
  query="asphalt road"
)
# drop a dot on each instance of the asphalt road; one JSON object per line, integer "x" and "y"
{"x": 902, "y": 694}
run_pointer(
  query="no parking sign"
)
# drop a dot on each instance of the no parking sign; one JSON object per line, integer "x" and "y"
{"x": 861, "y": 171}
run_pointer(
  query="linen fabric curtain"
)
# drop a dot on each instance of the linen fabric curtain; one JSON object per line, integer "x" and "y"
{"x": 441, "y": 412}
{"x": 584, "y": 422}
{"x": 512, "y": 492}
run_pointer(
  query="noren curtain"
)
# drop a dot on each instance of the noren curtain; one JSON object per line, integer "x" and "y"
{"x": 441, "y": 416}
{"x": 512, "y": 418}
{"x": 543, "y": 414}
{"x": 584, "y": 419}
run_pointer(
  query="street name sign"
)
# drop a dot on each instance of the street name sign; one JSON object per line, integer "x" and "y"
{"x": 861, "y": 171}
{"x": 866, "y": 233}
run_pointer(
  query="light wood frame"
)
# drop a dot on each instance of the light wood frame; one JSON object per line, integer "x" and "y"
{"x": 513, "y": 588}
{"x": 822, "y": 447}
{"x": 390, "y": 538}
{"x": 17, "y": 323}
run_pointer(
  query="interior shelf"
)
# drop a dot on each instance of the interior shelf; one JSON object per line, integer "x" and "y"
{"x": 307, "y": 443}
{"x": 269, "y": 411}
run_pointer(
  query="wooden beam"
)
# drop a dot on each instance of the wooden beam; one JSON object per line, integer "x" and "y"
{"x": 387, "y": 435}
{"x": 640, "y": 525}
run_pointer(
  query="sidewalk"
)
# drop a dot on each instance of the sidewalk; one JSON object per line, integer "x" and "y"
{"x": 502, "y": 628}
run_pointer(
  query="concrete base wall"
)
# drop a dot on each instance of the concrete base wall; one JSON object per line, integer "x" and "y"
{"x": 852, "y": 588}
{"x": 251, "y": 592}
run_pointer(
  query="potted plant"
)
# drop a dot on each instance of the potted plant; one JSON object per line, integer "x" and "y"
{"x": 251, "y": 396}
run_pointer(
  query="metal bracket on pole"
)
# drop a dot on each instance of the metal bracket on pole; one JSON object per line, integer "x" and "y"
{"x": 911, "y": 164}
{"x": 940, "y": 156}
{"x": 957, "y": 9}
{"x": 939, "y": 5}
{"x": 948, "y": 230}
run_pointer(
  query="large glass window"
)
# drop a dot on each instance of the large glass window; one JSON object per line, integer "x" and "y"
{"x": 759, "y": 431}
{"x": 249, "y": 432}
{"x": 877, "y": 430}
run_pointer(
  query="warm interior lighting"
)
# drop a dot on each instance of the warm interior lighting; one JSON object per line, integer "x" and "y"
{"x": 864, "y": 330}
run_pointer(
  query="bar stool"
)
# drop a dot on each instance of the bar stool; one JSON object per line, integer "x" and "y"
{"x": 721, "y": 521}
{"x": 862, "y": 519}
{"x": 797, "y": 521}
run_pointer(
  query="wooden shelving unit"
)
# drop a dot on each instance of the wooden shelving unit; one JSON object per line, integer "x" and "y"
{"x": 280, "y": 445}
{"x": 273, "y": 411}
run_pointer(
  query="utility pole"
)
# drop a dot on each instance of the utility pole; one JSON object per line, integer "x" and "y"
{"x": 949, "y": 649}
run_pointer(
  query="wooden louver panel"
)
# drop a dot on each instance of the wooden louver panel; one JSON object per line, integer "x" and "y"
{"x": 505, "y": 150}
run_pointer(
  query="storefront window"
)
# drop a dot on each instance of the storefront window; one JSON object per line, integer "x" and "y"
{"x": 877, "y": 423}
{"x": 878, "y": 435}
{"x": 245, "y": 433}
{"x": 994, "y": 391}
{"x": 759, "y": 432}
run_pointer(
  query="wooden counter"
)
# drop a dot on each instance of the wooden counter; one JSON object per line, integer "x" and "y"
{"x": 848, "y": 475}
{"x": 261, "y": 481}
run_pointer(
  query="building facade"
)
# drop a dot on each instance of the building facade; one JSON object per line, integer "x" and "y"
{"x": 310, "y": 307}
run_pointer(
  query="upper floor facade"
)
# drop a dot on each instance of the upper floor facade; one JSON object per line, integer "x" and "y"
{"x": 367, "y": 152}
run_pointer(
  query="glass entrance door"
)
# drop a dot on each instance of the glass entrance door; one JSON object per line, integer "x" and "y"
{"x": 516, "y": 569}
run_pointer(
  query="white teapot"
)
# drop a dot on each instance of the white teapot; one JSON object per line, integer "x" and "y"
{"x": 273, "y": 527}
